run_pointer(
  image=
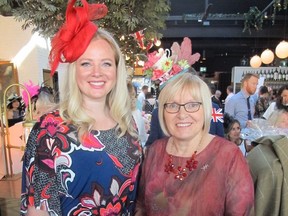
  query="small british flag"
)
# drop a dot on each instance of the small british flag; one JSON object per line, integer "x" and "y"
{"x": 139, "y": 37}
{"x": 217, "y": 115}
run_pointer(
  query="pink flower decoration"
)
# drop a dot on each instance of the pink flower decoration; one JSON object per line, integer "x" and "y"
{"x": 157, "y": 74}
{"x": 175, "y": 69}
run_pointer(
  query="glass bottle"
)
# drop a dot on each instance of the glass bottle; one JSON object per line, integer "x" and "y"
{"x": 267, "y": 76}
{"x": 275, "y": 75}
{"x": 286, "y": 75}
{"x": 280, "y": 75}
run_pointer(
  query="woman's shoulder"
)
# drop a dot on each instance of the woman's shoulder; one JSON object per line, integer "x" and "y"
{"x": 52, "y": 116}
{"x": 158, "y": 145}
{"x": 223, "y": 144}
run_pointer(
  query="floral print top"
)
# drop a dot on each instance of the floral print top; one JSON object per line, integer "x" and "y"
{"x": 66, "y": 177}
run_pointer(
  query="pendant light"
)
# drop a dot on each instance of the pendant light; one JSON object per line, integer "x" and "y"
{"x": 282, "y": 50}
{"x": 267, "y": 56}
{"x": 255, "y": 61}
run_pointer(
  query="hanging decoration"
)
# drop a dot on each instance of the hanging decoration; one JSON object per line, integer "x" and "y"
{"x": 267, "y": 56}
{"x": 143, "y": 43}
{"x": 139, "y": 37}
{"x": 255, "y": 61}
{"x": 281, "y": 50}
{"x": 253, "y": 19}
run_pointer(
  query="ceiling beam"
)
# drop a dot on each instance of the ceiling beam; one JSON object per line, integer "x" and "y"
{"x": 220, "y": 32}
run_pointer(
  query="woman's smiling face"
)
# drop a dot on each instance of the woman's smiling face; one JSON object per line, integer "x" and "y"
{"x": 184, "y": 125}
{"x": 96, "y": 70}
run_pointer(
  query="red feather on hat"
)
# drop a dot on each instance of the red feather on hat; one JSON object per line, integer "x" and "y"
{"x": 76, "y": 33}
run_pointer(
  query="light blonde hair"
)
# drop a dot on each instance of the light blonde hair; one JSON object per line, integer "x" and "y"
{"x": 117, "y": 100}
{"x": 199, "y": 90}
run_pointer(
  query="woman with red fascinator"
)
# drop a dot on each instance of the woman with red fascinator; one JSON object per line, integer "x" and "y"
{"x": 83, "y": 158}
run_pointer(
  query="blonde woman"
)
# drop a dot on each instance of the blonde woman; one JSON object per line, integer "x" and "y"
{"x": 83, "y": 158}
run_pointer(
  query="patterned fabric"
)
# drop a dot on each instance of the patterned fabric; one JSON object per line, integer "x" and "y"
{"x": 268, "y": 165}
{"x": 261, "y": 106}
{"x": 66, "y": 177}
{"x": 148, "y": 108}
{"x": 221, "y": 184}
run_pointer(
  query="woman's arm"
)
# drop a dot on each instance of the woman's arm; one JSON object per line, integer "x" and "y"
{"x": 31, "y": 211}
{"x": 239, "y": 187}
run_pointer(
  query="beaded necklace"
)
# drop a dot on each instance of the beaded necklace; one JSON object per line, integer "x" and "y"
{"x": 179, "y": 171}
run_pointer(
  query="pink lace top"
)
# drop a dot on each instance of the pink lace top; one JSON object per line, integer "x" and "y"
{"x": 221, "y": 184}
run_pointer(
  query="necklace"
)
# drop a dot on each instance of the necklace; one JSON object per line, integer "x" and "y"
{"x": 179, "y": 172}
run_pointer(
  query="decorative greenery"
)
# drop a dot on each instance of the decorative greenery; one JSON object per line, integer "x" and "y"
{"x": 278, "y": 5}
{"x": 253, "y": 19}
{"x": 124, "y": 18}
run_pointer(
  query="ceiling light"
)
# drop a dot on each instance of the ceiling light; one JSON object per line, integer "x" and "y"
{"x": 255, "y": 61}
{"x": 267, "y": 56}
{"x": 282, "y": 50}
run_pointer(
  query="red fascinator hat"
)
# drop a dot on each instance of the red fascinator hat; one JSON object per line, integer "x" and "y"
{"x": 74, "y": 36}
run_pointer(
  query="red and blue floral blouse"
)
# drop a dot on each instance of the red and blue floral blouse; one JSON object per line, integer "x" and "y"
{"x": 65, "y": 177}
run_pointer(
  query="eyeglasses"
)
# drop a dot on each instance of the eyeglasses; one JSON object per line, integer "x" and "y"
{"x": 190, "y": 107}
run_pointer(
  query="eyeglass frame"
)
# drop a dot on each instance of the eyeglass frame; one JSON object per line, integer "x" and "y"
{"x": 180, "y": 105}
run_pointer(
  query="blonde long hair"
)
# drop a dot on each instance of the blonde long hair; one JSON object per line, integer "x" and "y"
{"x": 118, "y": 100}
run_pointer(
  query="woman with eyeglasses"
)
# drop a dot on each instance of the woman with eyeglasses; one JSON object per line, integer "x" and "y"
{"x": 191, "y": 172}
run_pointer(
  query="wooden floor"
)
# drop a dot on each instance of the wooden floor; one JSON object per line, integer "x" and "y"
{"x": 10, "y": 191}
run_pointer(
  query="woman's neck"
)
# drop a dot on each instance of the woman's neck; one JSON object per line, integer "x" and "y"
{"x": 237, "y": 141}
{"x": 100, "y": 112}
{"x": 184, "y": 148}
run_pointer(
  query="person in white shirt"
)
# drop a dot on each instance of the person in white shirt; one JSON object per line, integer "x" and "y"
{"x": 141, "y": 97}
{"x": 229, "y": 91}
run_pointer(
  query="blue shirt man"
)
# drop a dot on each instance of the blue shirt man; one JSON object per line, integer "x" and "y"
{"x": 238, "y": 105}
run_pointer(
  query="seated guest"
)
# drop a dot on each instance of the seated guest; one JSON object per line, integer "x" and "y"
{"x": 262, "y": 102}
{"x": 280, "y": 103}
{"x": 232, "y": 131}
{"x": 279, "y": 118}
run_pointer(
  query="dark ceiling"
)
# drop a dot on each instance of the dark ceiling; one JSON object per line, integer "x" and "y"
{"x": 220, "y": 36}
